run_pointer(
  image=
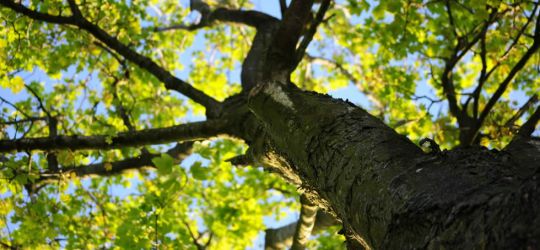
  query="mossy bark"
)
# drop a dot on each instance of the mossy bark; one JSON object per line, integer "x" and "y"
{"x": 388, "y": 193}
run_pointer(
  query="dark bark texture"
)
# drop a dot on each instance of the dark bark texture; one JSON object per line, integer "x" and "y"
{"x": 387, "y": 192}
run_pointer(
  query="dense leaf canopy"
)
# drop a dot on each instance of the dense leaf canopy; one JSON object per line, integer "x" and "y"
{"x": 117, "y": 92}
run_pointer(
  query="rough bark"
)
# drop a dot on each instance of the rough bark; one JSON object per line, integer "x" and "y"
{"x": 387, "y": 192}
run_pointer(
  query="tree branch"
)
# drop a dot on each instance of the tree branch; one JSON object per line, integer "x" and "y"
{"x": 449, "y": 90}
{"x": 196, "y": 239}
{"x": 250, "y": 17}
{"x": 451, "y": 18}
{"x": 283, "y": 49}
{"x": 462, "y": 47}
{"x": 19, "y": 8}
{"x": 171, "y": 82}
{"x": 325, "y": 4}
{"x": 304, "y": 226}
{"x": 179, "y": 153}
{"x": 532, "y": 101}
{"x": 184, "y": 132}
{"x": 15, "y": 107}
{"x": 280, "y": 238}
{"x": 29, "y": 119}
{"x": 76, "y": 12}
{"x": 484, "y": 76}
{"x": 52, "y": 161}
{"x": 530, "y": 125}
{"x": 8, "y": 246}
{"x": 283, "y": 7}
{"x": 504, "y": 84}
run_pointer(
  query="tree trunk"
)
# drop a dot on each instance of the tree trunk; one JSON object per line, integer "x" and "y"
{"x": 388, "y": 193}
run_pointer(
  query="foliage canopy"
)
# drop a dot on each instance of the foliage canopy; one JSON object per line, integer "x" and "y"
{"x": 460, "y": 72}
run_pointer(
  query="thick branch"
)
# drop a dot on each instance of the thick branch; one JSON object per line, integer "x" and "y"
{"x": 250, "y": 17}
{"x": 282, "y": 52}
{"x": 171, "y": 82}
{"x": 184, "y": 132}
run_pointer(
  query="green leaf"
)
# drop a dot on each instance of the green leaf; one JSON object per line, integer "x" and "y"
{"x": 164, "y": 164}
{"x": 198, "y": 171}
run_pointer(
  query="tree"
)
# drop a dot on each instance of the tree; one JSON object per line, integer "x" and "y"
{"x": 480, "y": 191}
